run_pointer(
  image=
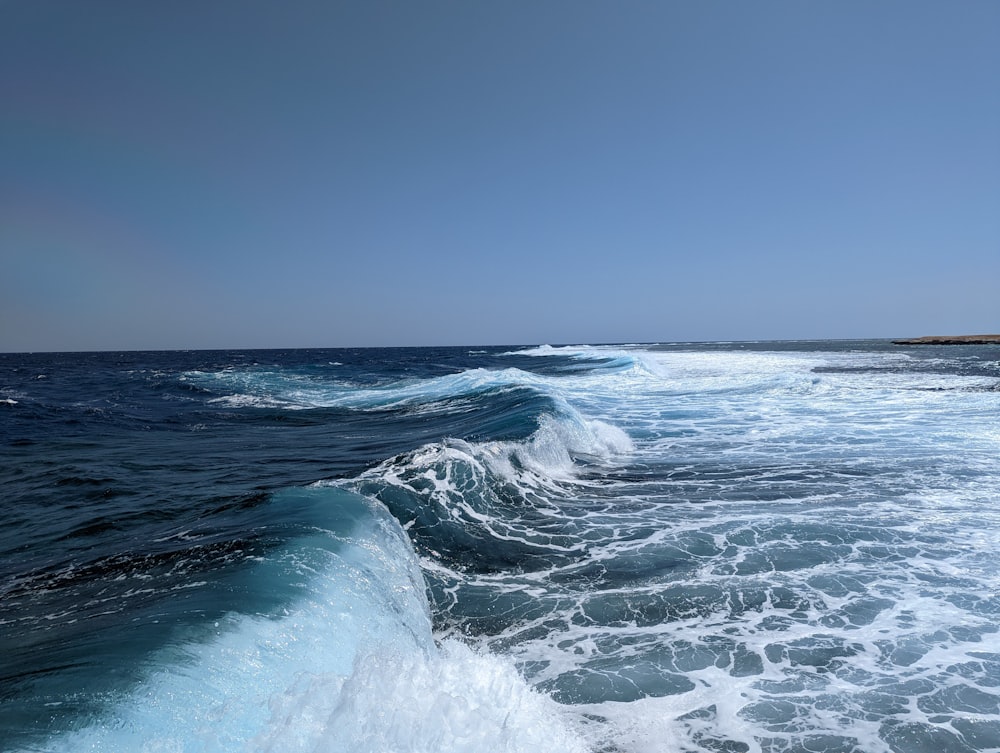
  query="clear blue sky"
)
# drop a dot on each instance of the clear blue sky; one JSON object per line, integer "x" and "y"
{"x": 281, "y": 174}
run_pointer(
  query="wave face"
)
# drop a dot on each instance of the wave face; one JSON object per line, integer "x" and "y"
{"x": 717, "y": 547}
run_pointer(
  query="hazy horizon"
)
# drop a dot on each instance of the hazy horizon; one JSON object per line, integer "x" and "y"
{"x": 527, "y": 344}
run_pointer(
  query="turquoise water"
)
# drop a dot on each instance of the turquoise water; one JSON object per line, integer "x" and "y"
{"x": 709, "y": 547}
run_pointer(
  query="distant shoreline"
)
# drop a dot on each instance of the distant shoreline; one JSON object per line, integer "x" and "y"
{"x": 951, "y": 340}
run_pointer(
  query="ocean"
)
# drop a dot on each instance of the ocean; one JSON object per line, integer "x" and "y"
{"x": 722, "y": 547}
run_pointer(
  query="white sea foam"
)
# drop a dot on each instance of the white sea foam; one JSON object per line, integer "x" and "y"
{"x": 352, "y": 666}
{"x": 543, "y": 460}
{"x": 852, "y": 608}
{"x": 786, "y": 551}
{"x": 279, "y": 389}
{"x": 455, "y": 701}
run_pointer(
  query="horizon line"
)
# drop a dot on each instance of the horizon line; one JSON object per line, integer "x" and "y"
{"x": 896, "y": 340}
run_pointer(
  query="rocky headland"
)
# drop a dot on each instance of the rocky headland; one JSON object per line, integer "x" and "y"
{"x": 951, "y": 340}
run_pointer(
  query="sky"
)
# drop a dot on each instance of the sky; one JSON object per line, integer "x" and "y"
{"x": 249, "y": 174}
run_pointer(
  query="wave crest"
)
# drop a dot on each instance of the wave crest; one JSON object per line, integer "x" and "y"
{"x": 458, "y": 701}
{"x": 487, "y": 506}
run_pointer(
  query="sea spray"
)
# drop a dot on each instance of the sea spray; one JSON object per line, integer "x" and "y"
{"x": 351, "y": 665}
{"x": 453, "y": 700}
{"x": 761, "y": 547}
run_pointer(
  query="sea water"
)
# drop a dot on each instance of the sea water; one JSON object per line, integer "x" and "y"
{"x": 725, "y": 547}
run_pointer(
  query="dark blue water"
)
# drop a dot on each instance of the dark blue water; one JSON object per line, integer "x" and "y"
{"x": 739, "y": 547}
